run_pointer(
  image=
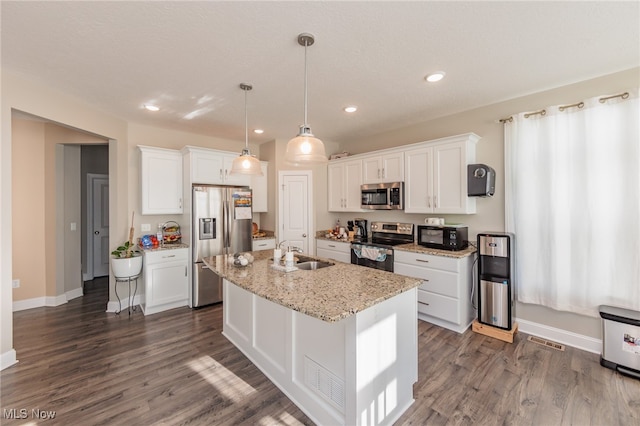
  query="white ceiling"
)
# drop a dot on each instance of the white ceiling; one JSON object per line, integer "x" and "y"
{"x": 190, "y": 57}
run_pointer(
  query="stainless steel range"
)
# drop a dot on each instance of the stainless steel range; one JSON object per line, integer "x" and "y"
{"x": 378, "y": 251}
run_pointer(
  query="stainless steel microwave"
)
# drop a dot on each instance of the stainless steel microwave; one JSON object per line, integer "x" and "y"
{"x": 383, "y": 196}
{"x": 453, "y": 237}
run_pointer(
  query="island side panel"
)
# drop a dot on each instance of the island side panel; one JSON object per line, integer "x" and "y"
{"x": 382, "y": 361}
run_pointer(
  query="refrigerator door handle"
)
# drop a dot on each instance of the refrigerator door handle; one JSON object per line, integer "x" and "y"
{"x": 227, "y": 225}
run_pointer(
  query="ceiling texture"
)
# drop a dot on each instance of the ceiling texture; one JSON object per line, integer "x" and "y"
{"x": 189, "y": 58}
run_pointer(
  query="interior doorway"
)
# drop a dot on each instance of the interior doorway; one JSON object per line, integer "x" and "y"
{"x": 97, "y": 229}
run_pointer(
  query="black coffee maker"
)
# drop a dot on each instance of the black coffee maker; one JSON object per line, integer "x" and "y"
{"x": 360, "y": 228}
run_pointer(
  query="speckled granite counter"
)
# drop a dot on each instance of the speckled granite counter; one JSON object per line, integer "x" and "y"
{"x": 415, "y": 248}
{"x": 330, "y": 294}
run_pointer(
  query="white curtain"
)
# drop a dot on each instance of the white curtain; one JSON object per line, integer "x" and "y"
{"x": 572, "y": 190}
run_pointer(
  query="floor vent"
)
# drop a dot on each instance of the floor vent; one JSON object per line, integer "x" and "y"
{"x": 324, "y": 383}
{"x": 545, "y": 342}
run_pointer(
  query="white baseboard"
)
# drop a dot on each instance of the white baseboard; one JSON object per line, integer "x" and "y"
{"x": 7, "y": 359}
{"x": 114, "y": 306}
{"x": 38, "y": 302}
{"x": 73, "y": 294}
{"x": 579, "y": 341}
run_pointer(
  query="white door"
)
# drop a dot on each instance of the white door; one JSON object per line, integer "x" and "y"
{"x": 100, "y": 228}
{"x": 295, "y": 208}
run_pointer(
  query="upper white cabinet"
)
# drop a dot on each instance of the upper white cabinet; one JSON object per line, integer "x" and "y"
{"x": 213, "y": 167}
{"x": 260, "y": 189}
{"x": 436, "y": 176}
{"x": 161, "y": 180}
{"x": 387, "y": 167}
{"x": 344, "y": 180}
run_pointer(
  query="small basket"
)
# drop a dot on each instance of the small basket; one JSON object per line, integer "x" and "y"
{"x": 171, "y": 233}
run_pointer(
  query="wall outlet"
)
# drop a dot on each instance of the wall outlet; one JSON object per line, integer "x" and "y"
{"x": 74, "y": 226}
{"x": 145, "y": 227}
{"x": 15, "y": 283}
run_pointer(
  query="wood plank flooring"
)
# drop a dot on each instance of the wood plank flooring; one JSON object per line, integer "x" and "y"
{"x": 175, "y": 368}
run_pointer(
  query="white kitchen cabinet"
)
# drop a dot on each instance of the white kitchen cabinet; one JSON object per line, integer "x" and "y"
{"x": 212, "y": 167}
{"x": 436, "y": 176}
{"x": 160, "y": 180}
{"x": 388, "y": 167}
{"x": 165, "y": 280}
{"x": 263, "y": 244}
{"x": 260, "y": 189}
{"x": 336, "y": 250}
{"x": 344, "y": 180}
{"x": 444, "y": 297}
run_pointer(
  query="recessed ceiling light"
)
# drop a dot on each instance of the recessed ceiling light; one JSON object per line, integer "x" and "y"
{"x": 436, "y": 76}
{"x": 258, "y": 131}
{"x": 151, "y": 107}
{"x": 351, "y": 108}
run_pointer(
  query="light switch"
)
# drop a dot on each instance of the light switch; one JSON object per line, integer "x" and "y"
{"x": 145, "y": 227}
{"x": 73, "y": 226}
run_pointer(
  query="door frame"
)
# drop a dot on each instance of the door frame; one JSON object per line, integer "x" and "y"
{"x": 311, "y": 218}
{"x": 88, "y": 275}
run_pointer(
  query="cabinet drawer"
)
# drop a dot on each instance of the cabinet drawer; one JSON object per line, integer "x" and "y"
{"x": 427, "y": 260}
{"x": 435, "y": 305}
{"x": 433, "y": 280}
{"x": 162, "y": 256}
{"x": 334, "y": 246}
{"x": 335, "y": 255}
{"x": 257, "y": 245}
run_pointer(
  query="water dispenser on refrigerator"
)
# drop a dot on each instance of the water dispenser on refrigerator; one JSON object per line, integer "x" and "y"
{"x": 496, "y": 285}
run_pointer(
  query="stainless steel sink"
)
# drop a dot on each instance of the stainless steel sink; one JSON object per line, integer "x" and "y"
{"x": 312, "y": 265}
{"x": 301, "y": 259}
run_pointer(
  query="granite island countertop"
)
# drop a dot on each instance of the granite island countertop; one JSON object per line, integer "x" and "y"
{"x": 329, "y": 294}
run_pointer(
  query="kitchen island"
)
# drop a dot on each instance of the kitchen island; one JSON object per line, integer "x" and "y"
{"x": 340, "y": 342}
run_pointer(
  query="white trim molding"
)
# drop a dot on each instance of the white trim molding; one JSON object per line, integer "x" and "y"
{"x": 38, "y": 302}
{"x": 7, "y": 359}
{"x": 579, "y": 341}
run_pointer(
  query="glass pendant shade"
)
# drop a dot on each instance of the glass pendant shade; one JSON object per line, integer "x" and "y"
{"x": 305, "y": 149}
{"x": 246, "y": 164}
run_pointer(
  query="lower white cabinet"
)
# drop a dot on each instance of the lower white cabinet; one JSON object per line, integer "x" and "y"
{"x": 265, "y": 244}
{"x": 335, "y": 250}
{"x": 165, "y": 280}
{"x": 444, "y": 297}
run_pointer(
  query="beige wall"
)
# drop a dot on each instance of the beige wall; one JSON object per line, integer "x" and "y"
{"x": 28, "y": 207}
{"x": 44, "y": 101}
{"x": 490, "y": 211}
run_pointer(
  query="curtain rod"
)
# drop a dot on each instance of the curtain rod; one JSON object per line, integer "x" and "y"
{"x": 602, "y": 100}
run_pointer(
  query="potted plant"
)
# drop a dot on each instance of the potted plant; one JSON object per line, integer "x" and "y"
{"x": 126, "y": 261}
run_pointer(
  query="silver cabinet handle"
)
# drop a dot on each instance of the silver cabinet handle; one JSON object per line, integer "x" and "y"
{"x": 429, "y": 201}
{"x": 166, "y": 257}
{"x": 435, "y": 201}
{"x": 185, "y": 271}
{"x": 383, "y": 175}
{"x": 423, "y": 303}
{"x": 262, "y": 245}
{"x": 220, "y": 174}
{"x": 332, "y": 246}
{"x": 422, "y": 260}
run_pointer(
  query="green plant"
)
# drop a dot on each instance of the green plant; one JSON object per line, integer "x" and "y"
{"x": 126, "y": 250}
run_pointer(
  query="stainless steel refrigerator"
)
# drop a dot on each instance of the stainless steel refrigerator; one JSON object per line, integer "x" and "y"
{"x": 221, "y": 224}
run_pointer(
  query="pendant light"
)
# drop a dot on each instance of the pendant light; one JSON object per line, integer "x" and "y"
{"x": 305, "y": 148}
{"x": 246, "y": 163}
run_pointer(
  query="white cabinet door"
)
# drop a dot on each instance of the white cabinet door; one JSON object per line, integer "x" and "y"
{"x": 343, "y": 185}
{"x": 383, "y": 168}
{"x": 206, "y": 168}
{"x": 260, "y": 189}
{"x": 352, "y": 180}
{"x": 450, "y": 179}
{"x": 161, "y": 181}
{"x": 393, "y": 167}
{"x": 418, "y": 182}
{"x": 166, "y": 280}
{"x": 436, "y": 177}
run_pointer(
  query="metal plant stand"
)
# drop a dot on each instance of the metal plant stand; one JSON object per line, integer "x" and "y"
{"x": 131, "y": 296}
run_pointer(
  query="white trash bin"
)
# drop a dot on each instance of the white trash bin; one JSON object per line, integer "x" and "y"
{"x": 621, "y": 340}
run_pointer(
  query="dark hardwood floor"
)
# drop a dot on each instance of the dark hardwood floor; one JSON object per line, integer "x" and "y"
{"x": 91, "y": 368}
